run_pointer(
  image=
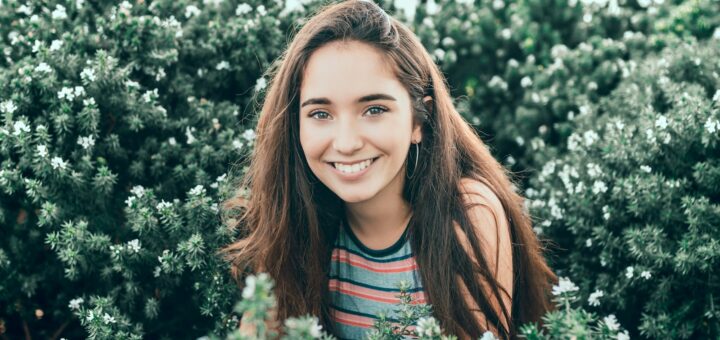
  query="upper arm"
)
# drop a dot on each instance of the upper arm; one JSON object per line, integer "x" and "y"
{"x": 490, "y": 224}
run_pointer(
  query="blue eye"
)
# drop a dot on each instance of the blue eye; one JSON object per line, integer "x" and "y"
{"x": 316, "y": 113}
{"x": 380, "y": 108}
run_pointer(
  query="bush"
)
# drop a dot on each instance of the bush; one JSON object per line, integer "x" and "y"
{"x": 567, "y": 322}
{"x": 123, "y": 125}
{"x": 633, "y": 200}
{"x": 120, "y": 124}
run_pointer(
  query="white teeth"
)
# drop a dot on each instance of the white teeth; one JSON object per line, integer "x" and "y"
{"x": 350, "y": 169}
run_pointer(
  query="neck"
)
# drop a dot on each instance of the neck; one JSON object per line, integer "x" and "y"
{"x": 381, "y": 219}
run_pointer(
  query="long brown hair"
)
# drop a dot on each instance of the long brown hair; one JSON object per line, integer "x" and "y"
{"x": 290, "y": 219}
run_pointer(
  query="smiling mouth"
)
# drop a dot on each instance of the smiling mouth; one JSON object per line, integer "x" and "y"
{"x": 355, "y": 168}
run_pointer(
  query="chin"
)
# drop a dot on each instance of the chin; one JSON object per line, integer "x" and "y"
{"x": 353, "y": 197}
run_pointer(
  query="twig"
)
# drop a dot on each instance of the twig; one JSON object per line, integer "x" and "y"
{"x": 26, "y": 329}
{"x": 59, "y": 331}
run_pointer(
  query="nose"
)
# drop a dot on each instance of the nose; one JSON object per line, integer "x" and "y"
{"x": 348, "y": 138}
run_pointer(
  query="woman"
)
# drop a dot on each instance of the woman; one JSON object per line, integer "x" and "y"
{"x": 364, "y": 174}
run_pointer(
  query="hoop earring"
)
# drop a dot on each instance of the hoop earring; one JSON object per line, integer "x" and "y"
{"x": 417, "y": 153}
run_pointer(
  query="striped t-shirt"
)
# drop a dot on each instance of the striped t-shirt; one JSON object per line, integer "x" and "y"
{"x": 364, "y": 282}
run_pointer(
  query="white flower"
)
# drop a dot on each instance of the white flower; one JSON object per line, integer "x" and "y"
{"x": 645, "y": 168}
{"x": 134, "y": 245}
{"x": 498, "y": 4}
{"x": 75, "y": 303}
{"x": 606, "y": 212}
{"x": 56, "y": 45}
{"x": 89, "y": 102}
{"x": 79, "y": 91}
{"x": 237, "y": 144}
{"x": 427, "y": 327}
{"x": 129, "y": 201}
{"x": 172, "y": 141}
{"x": 243, "y": 9}
{"x": 215, "y": 3}
{"x": 24, "y": 9}
{"x": 260, "y": 84}
{"x": 191, "y": 11}
{"x": 79, "y": 3}
{"x": 163, "y": 205}
{"x": 564, "y": 286}
{"x": 590, "y": 137}
{"x": 8, "y": 107}
{"x": 197, "y": 190}
{"x": 624, "y": 335}
{"x": 66, "y": 93}
{"x": 611, "y": 322}
{"x": 138, "y": 191}
{"x": 506, "y": 33}
{"x": 599, "y": 187}
{"x": 249, "y": 290}
{"x": 588, "y": 243}
{"x": 526, "y": 82}
{"x": 520, "y": 140}
{"x": 661, "y": 122}
{"x": 59, "y": 13}
{"x": 42, "y": 150}
{"x": 594, "y": 170}
{"x": 148, "y": 96}
{"x": 261, "y": 10}
{"x": 58, "y": 162}
{"x": 712, "y": 125}
{"x": 594, "y": 299}
{"x": 223, "y": 65}
{"x": 108, "y": 319}
{"x": 43, "y": 67}
{"x": 88, "y": 74}
{"x": 644, "y": 3}
{"x": 126, "y": 6}
{"x": 498, "y": 82}
{"x": 439, "y": 54}
{"x": 488, "y": 336}
{"x": 130, "y": 83}
{"x": 629, "y": 272}
{"x": 249, "y": 135}
{"x": 189, "y": 135}
{"x": 36, "y": 46}
{"x": 646, "y": 274}
{"x": 86, "y": 142}
{"x": 650, "y": 135}
{"x": 20, "y": 128}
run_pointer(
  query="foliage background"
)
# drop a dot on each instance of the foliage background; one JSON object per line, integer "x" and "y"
{"x": 124, "y": 126}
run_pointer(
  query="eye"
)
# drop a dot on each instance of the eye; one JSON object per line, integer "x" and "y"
{"x": 377, "y": 110}
{"x": 319, "y": 115}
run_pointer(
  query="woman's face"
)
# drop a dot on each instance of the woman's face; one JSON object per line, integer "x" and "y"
{"x": 354, "y": 112}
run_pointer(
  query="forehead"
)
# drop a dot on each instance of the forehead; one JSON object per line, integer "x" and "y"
{"x": 344, "y": 71}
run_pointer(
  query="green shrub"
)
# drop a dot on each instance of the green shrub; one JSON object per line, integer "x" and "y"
{"x": 633, "y": 201}
{"x": 120, "y": 123}
{"x": 567, "y": 322}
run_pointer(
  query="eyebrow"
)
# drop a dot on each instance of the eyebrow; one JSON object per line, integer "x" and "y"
{"x": 368, "y": 98}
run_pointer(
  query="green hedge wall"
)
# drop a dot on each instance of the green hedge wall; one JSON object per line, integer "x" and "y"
{"x": 124, "y": 126}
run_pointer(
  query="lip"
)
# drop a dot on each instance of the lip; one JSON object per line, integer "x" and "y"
{"x": 351, "y": 177}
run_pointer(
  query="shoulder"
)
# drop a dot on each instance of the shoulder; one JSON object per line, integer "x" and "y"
{"x": 476, "y": 191}
{"x": 488, "y": 221}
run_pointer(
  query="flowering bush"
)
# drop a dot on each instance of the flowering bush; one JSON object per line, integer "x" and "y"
{"x": 414, "y": 321}
{"x": 123, "y": 125}
{"x": 119, "y": 124}
{"x": 521, "y": 69}
{"x": 633, "y": 199}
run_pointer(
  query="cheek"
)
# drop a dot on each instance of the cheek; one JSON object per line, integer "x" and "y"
{"x": 311, "y": 142}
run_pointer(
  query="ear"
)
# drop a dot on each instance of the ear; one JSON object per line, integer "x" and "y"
{"x": 417, "y": 130}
